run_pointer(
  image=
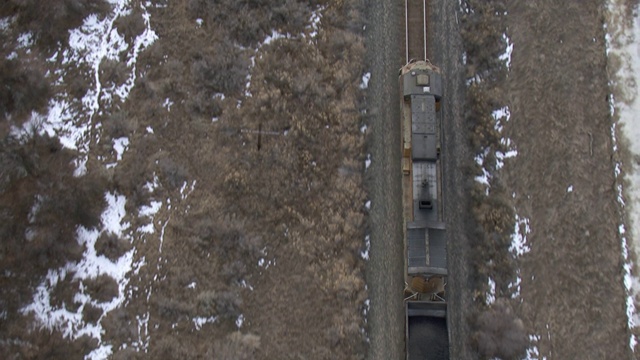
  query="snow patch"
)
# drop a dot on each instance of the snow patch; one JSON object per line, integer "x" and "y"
{"x": 365, "y": 81}
{"x": 491, "y": 292}
{"x": 120, "y": 145}
{"x": 70, "y": 323}
{"x": 506, "y": 56}
{"x": 364, "y": 254}
{"x": 519, "y": 244}
{"x": 622, "y": 41}
{"x": 240, "y": 321}
{"x": 198, "y": 322}
{"x": 96, "y": 40}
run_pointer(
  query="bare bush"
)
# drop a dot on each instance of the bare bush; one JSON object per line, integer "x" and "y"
{"x": 225, "y": 304}
{"x": 236, "y": 346}
{"x": 120, "y": 324}
{"x": 499, "y": 333}
{"x": 173, "y": 174}
{"x": 223, "y": 73}
{"x": 130, "y": 26}
{"x": 169, "y": 347}
{"x": 44, "y": 344}
{"x": 119, "y": 124}
{"x": 24, "y": 89}
{"x": 91, "y": 314}
{"x": 50, "y": 24}
{"x": 113, "y": 72}
{"x": 130, "y": 353}
{"x": 111, "y": 246}
{"x": 103, "y": 288}
{"x": 62, "y": 295}
{"x": 234, "y": 270}
{"x": 482, "y": 35}
{"x": 174, "y": 309}
{"x": 204, "y": 104}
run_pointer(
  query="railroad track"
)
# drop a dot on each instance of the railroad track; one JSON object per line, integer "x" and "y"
{"x": 415, "y": 29}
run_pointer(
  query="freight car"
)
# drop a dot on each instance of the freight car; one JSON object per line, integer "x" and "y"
{"x": 423, "y": 201}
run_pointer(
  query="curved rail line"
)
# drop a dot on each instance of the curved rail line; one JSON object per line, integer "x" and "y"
{"x": 415, "y": 19}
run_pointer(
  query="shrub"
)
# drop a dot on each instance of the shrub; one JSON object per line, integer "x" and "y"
{"x": 173, "y": 174}
{"x": 234, "y": 271}
{"x": 103, "y": 288}
{"x": 63, "y": 294}
{"x": 113, "y": 72}
{"x": 130, "y": 26}
{"x": 173, "y": 309}
{"x": 44, "y": 203}
{"x": 204, "y": 105}
{"x": 226, "y": 72}
{"x": 91, "y": 314}
{"x": 45, "y": 344}
{"x": 225, "y": 304}
{"x": 236, "y": 346}
{"x": 119, "y": 124}
{"x": 499, "y": 333}
{"x": 50, "y": 24}
{"x": 119, "y": 324}
{"x": 111, "y": 246}
{"x": 24, "y": 89}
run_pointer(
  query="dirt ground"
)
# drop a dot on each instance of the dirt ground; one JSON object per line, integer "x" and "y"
{"x": 571, "y": 298}
{"x": 572, "y": 293}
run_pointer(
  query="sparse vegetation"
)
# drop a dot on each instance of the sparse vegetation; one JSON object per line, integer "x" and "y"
{"x": 237, "y": 346}
{"x": 277, "y": 225}
{"x": 103, "y": 288}
{"x": 499, "y": 333}
{"x": 493, "y": 211}
{"x": 24, "y": 89}
{"x": 111, "y": 246}
{"x": 49, "y": 25}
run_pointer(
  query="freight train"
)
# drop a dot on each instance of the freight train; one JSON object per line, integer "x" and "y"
{"x": 423, "y": 202}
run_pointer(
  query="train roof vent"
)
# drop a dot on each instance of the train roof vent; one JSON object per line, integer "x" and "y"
{"x": 422, "y": 80}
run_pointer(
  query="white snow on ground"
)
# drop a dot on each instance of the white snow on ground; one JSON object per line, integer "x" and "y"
{"x": 89, "y": 267}
{"x": 506, "y": 56}
{"x": 240, "y": 321}
{"x": 519, "y": 244}
{"x": 167, "y": 104}
{"x": 623, "y": 42}
{"x": 120, "y": 145}
{"x": 366, "y": 307}
{"x": 73, "y": 122}
{"x": 504, "y": 150}
{"x": 532, "y": 352}
{"x": 199, "y": 321}
{"x": 367, "y": 161}
{"x": 95, "y": 41}
{"x": 501, "y": 116}
{"x": 364, "y": 254}
{"x": 491, "y": 293}
{"x": 365, "y": 80}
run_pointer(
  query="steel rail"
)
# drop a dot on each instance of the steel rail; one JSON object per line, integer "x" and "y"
{"x": 424, "y": 21}
{"x": 406, "y": 30}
